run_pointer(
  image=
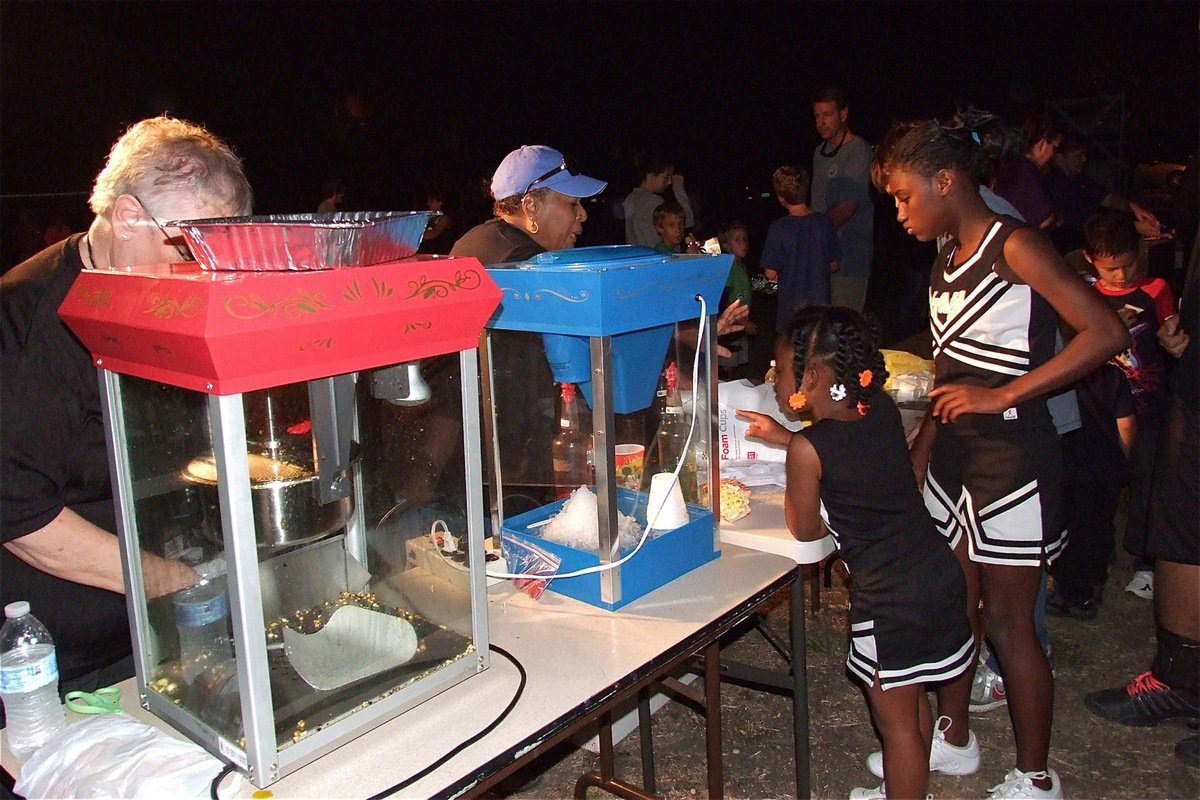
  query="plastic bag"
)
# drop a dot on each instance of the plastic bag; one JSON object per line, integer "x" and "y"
{"x": 112, "y": 755}
{"x": 910, "y": 377}
{"x": 732, "y": 442}
{"x": 526, "y": 558}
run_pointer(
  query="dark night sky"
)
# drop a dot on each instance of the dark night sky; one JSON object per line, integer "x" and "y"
{"x": 392, "y": 95}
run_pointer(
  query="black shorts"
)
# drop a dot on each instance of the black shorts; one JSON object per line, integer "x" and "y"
{"x": 1174, "y": 531}
{"x": 1000, "y": 483}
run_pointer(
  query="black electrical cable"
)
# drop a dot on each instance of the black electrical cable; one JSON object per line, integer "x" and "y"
{"x": 212, "y": 790}
{"x": 458, "y": 749}
{"x": 467, "y": 742}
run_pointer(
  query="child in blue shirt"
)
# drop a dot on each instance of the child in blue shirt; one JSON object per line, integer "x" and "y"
{"x": 802, "y": 249}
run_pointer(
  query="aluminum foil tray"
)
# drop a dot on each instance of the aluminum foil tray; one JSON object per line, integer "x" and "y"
{"x": 279, "y": 242}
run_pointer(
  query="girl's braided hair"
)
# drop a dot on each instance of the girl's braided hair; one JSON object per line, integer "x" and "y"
{"x": 973, "y": 140}
{"x": 843, "y": 339}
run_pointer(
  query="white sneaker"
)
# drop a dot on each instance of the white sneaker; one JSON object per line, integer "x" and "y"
{"x": 987, "y": 690}
{"x": 1141, "y": 584}
{"x": 943, "y": 756}
{"x": 1017, "y": 784}
{"x": 878, "y": 793}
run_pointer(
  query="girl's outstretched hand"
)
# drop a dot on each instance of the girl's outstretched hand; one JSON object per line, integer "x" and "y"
{"x": 765, "y": 427}
{"x": 954, "y": 399}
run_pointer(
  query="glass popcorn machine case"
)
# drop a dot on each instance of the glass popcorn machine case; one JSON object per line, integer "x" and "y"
{"x": 296, "y": 464}
{"x": 600, "y": 373}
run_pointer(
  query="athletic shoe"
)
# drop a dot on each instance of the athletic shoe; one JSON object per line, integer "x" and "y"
{"x": 943, "y": 756}
{"x": 1059, "y": 606}
{"x": 1144, "y": 703}
{"x": 1141, "y": 584}
{"x": 1017, "y": 784}
{"x": 1188, "y": 750}
{"x": 859, "y": 793}
{"x": 987, "y": 690}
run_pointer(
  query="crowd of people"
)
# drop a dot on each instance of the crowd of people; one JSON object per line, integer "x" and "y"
{"x": 1063, "y": 372}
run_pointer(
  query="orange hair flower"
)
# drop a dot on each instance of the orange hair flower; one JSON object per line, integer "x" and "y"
{"x": 865, "y": 377}
{"x": 798, "y": 401}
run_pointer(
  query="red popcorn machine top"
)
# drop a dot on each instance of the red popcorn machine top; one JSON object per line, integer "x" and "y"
{"x": 293, "y": 436}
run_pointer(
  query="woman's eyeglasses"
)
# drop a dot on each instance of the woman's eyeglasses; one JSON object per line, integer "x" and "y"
{"x": 185, "y": 253}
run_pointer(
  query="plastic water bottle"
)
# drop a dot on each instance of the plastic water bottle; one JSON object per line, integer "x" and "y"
{"x": 28, "y": 681}
{"x": 202, "y": 619}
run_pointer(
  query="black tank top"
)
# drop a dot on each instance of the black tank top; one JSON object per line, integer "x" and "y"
{"x": 986, "y": 330}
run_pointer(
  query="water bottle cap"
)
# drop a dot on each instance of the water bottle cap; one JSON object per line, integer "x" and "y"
{"x": 16, "y": 609}
{"x": 200, "y": 606}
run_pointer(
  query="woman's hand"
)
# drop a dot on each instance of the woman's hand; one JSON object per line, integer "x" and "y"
{"x": 954, "y": 399}
{"x": 765, "y": 427}
{"x": 733, "y": 318}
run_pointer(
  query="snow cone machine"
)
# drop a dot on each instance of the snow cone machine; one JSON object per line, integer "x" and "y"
{"x": 603, "y": 323}
{"x": 282, "y": 442}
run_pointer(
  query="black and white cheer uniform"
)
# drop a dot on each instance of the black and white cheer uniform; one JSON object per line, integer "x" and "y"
{"x": 995, "y": 477}
{"x": 908, "y": 620}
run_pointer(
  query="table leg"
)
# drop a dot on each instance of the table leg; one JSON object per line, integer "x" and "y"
{"x": 800, "y": 692}
{"x": 712, "y": 719}
{"x": 606, "y": 778}
{"x": 646, "y": 740}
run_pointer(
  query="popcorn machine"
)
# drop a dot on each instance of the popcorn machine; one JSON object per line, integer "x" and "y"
{"x": 603, "y": 323}
{"x": 282, "y": 443}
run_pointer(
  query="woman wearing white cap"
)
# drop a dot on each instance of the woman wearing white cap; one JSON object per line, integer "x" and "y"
{"x": 537, "y": 206}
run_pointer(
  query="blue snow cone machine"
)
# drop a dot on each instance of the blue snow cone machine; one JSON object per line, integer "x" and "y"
{"x": 609, "y": 320}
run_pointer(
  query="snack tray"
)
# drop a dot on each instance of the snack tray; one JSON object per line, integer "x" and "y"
{"x": 280, "y": 242}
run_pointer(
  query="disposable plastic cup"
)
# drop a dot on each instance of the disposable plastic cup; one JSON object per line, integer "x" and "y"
{"x": 665, "y": 510}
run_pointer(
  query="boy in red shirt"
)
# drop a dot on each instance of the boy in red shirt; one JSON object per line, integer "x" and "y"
{"x": 1142, "y": 303}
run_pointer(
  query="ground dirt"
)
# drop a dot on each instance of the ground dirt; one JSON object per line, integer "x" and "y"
{"x": 1095, "y": 758}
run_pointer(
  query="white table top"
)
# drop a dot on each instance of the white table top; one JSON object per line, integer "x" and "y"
{"x": 765, "y": 529}
{"x": 575, "y": 655}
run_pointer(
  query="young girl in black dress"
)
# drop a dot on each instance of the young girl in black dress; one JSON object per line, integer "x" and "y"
{"x": 849, "y": 475}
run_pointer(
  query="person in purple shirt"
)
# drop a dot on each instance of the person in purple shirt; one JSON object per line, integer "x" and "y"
{"x": 1021, "y": 183}
{"x": 1076, "y": 196}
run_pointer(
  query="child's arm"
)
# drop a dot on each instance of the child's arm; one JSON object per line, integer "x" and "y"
{"x": 921, "y": 446}
{"x": 1165, "y": 306}
{"x": 1172, "y": 337}
{"x": 765, "y": 427}
{"x": 1100, "y": 334}
{"x": 1127, "y": 432}
{"x": 833, "y": 248}
{"x": 802, "y": 503}
{"x": 681, "y": 197}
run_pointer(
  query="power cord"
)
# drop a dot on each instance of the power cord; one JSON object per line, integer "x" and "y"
{"x": 524, "y": 678}
{"x": 467, "y": 742}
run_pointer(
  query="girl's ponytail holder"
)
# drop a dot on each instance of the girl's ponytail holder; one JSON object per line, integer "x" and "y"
{"x": 975, "y": 137}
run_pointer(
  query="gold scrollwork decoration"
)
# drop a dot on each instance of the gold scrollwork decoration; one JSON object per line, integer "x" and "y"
{"x": 165, "y": 307}
{"x": 325, "y": 343}
{"x": 251, "y": 306}
{"x": 95, "y": 298}
{"x": 431, "y": 288}
{"x": 423, "y": 325}
{"x": 381, "y": 288}
{"x": 354, "y": 293}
